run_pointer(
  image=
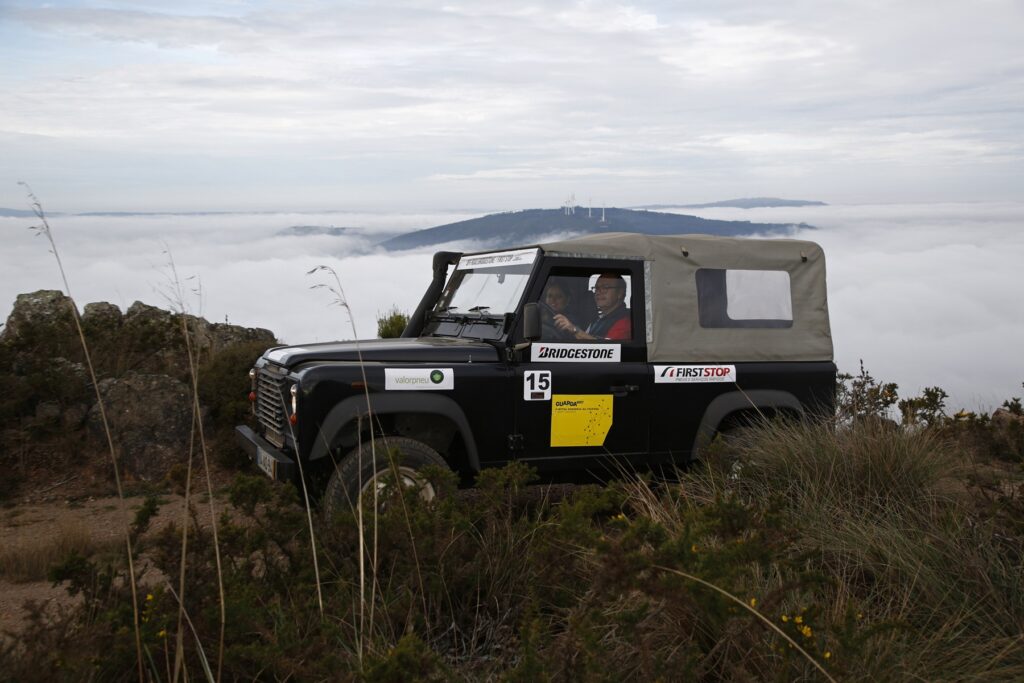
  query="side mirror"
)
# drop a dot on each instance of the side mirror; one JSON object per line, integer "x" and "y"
{"x": 531, "y": 322}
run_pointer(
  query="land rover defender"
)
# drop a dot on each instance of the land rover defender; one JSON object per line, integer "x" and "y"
{"x": 495, "y": 365}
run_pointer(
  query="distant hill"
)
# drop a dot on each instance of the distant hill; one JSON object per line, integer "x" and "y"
{"x": 523, "y": 227}
{"x": 304, "y": 230}
{"x": 16, "y": 213}
{"x": 743, "y": 203}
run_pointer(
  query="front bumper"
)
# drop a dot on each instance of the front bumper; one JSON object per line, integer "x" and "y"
{"x": 265, "y": 455}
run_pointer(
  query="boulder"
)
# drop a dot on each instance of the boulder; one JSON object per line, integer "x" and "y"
{"x": 140, "y": 311}
{"x": 1004, "y": 418}
{"x": 74, "y": 416}
{"x": 150, "y": 422}
{"x": 47, "y": 411}
{"x": 36, "y": 311}
{"x": 209, "y": 339}
{"x": 102, "y": 315}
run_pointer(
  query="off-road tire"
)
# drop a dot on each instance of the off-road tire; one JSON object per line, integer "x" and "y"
{"x": 349, "y": 481}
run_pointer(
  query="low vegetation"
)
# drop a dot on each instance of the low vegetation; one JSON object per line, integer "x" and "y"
{"x": 863, "y": 550}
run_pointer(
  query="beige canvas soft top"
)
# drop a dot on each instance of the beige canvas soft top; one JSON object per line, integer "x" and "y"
{"x": 674, "y": 332}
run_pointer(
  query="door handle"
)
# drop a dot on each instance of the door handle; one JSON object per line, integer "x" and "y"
{"x": 623, "y": 390}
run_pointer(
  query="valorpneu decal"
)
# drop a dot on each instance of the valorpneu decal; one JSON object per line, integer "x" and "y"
{"x": 545, "y": 352}
{"x": 418, "y": 379}
{"x": 693, "y": 374}
{"x": 580, "y": 419}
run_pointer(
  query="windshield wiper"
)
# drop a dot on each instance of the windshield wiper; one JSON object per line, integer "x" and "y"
{"x": 444, "y": 315}
{"x": 478, "y": 309}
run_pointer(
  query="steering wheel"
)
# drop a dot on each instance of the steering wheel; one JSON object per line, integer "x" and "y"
{"x": 548, "y": 330}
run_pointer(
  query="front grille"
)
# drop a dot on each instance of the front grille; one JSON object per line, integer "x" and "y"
{"x": 271, "y": 398}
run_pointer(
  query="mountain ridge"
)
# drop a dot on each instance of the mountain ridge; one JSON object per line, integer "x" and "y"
{"x": 529, "y": 225}
{"x": 740, "y": 203}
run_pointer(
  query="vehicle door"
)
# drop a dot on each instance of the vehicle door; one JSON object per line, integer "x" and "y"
{"x": 583, "y": 402}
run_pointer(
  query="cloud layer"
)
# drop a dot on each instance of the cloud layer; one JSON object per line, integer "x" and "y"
{"x": 926, "y": 295}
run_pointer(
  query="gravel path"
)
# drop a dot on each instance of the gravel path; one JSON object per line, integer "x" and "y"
{"x": 32, "y": 527}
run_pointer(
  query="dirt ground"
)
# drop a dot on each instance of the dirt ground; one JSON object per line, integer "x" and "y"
{"x": 80, "y": 508}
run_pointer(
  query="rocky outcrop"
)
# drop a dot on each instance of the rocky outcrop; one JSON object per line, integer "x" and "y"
{"x": 140, "y": 358}
{"x": 150, "y": 422}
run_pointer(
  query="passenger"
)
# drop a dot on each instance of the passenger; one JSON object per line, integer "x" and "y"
{"x": 613, "y": 321}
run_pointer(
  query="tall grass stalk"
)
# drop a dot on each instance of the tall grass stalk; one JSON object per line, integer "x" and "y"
{"x": 309, "y": 516}
{"x": 341, "y": 300}
{"x": 193, "y": 371}
{"x": 200, "y": 652}
{"x": 753, "y": 611}
{"x": 44, "y": 229}
{"x": 179, "y": 637}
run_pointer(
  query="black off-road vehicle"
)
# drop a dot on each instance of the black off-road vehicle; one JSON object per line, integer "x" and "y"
{"x": 502, "y": 360}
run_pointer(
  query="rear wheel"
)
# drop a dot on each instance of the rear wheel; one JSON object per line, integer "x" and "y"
{"x": 371, "y": 467}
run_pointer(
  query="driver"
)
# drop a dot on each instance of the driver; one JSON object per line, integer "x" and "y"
{"x": 557, "y": 299}
{"x": 613, "y": 320}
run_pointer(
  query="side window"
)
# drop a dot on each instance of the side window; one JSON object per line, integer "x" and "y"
{"x": 744, "y": 298}
{"x": 580, "y": 305}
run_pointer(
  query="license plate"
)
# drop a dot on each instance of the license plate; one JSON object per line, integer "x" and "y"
{"x": 266, "y": 462}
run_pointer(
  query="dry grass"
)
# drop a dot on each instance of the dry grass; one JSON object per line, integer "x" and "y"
{"x": 31, "y": 560}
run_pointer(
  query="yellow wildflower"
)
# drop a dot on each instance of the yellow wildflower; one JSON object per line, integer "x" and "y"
{"x": 162, "y": 633}
{"x": 149, "y": 597}
{"x": 828, "y": 655}
{"x": 785, "y": 618}
{"x": 693, "y": 548}
{"x": 753, "y": 602}
{"x": 806, "y": 630}
{"x": 799, "y": 619}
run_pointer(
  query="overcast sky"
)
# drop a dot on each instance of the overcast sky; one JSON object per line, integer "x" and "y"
{"x": 303, "y": 105}
{"x": 907, "y": 117}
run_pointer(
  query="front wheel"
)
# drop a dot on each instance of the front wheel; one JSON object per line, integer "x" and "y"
{"x": 370, "y": 467}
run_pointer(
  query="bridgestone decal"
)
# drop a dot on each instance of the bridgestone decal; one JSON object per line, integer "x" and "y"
{"x": 693, "y": 374}
{"x": 575, "y": 353}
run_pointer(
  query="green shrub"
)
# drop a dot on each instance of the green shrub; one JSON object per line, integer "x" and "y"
{"x": 863, "y": 397}
{"x": 224, "y": 383}
{"x": 392, "y": 323}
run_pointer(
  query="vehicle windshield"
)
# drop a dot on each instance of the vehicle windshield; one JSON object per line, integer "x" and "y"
{"x": 483, "y": 289}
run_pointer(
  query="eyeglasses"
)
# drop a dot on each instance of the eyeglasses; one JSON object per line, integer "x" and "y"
{"x": 603, "y": 288}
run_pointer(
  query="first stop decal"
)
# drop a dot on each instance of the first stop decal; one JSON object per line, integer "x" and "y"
{"x": 693, "y": 374}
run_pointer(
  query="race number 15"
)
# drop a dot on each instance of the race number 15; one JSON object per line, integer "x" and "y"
{"x": 537, "y": 385}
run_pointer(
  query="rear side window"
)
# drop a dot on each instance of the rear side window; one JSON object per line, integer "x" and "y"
{"x": 744, "y": 298}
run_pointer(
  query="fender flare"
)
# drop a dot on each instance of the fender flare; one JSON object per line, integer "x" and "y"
{"x": 734, "y": 401}
{"x": 389, "y": 403}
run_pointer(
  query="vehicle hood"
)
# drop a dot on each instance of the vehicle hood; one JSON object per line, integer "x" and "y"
{"x": 431, "y": 350}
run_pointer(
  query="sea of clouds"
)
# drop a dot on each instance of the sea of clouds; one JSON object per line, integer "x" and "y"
{"x": 924, "y": 294}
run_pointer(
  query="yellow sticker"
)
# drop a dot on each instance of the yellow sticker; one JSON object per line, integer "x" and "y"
{"x": 580, "y": 419}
